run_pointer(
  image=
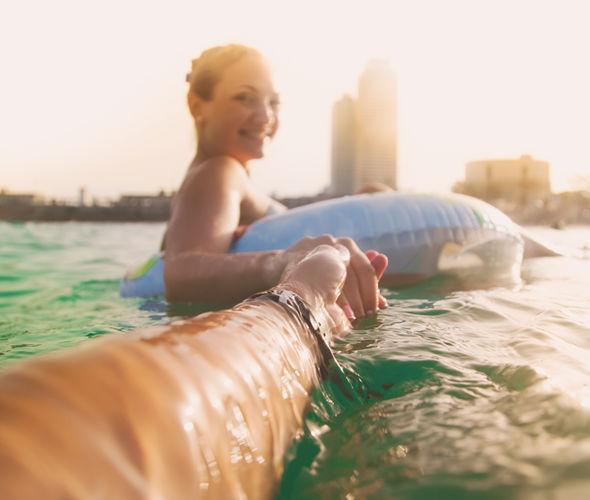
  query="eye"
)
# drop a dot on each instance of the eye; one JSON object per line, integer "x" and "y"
{"x": 245, "y": 97}
{"x": 275, "y": 103}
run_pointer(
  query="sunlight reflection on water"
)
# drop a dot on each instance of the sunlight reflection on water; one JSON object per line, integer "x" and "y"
{"x": 459, "y": 389}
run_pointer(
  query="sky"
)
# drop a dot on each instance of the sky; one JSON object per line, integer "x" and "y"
{"x": 93, "y": 94}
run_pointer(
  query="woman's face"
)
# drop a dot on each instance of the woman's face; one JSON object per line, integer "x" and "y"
{"x": 242, "y": 115}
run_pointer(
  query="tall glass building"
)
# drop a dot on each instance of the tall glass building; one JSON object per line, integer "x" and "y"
{"x": 364, "y": 132}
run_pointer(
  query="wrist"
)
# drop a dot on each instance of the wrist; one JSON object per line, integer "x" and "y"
{"x": 302, "y": 291}
{"x": 273, "y": 268}
{"x": 314, "y": 321}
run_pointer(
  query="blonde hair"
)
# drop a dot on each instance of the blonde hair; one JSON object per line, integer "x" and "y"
{"x": 207, "y": 69}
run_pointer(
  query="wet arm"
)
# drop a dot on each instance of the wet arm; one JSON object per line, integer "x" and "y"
{"x": 207, "y": 212}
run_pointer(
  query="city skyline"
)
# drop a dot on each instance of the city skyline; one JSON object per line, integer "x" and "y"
{"x": 93, "y": 95}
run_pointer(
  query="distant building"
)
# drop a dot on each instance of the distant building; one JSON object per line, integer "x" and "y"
{"x": 146, "y": 206}
{"x": 343, "y": 146}
{"x": 160, "y": 200}
{"x": 521, "y": 180}
{"x": 364, "y": 132}
{"x": 24, "y": 207}
{"x": 377, "y": 126}
{"x": 19, "y": 199}
{"x": 82, "y": 197}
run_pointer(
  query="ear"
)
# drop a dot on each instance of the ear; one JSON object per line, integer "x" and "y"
{"x": 194, "y": 105}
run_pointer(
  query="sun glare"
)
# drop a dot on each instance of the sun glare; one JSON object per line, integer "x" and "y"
{"x": 96, "y": 98}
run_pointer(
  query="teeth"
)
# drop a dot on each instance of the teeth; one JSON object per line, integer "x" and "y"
{"x": 256, "y": 135}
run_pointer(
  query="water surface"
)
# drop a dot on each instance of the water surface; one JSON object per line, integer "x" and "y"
{"x": 456, "y": 390}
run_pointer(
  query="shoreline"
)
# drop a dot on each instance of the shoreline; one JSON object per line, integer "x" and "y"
{"x": 562, "y": 211}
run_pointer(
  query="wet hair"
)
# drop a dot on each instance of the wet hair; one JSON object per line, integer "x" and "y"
{"x": 207, "y": 69}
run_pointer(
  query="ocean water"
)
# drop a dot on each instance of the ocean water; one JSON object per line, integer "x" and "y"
{"x": 456, "y": 390}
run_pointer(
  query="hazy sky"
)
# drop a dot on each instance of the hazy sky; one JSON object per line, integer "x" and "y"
{"x": 93, "y": 92}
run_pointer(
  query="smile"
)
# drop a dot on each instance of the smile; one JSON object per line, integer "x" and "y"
{"x": 256, "y": 135}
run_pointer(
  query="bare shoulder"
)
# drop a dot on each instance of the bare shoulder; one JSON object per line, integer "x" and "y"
{"x": 206, "y": 208}
{"x": 220, "y": 172}
{"x": 219, "y": 182}
{"x": 210, "y": 188}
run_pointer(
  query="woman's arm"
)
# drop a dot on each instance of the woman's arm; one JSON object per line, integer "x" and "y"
{"x": 214, "y": 199}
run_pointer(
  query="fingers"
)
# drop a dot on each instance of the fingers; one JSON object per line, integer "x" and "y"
{"x": 345, "y": 306}
{"x": 310, "y": 242}
{"x": 327, "y": 252}
{"x": 351, "y": 296}
{"x": 360, "y": 286}
{"x": 371, "y": 254}
{"x": 358, "y": 296}
{"x": 319, "y": 274}
{"x": 379, "y": 263}
{"x": 292, "y": 255}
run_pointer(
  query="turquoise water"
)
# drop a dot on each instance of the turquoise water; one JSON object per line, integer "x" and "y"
{"x": 458, "y": 391}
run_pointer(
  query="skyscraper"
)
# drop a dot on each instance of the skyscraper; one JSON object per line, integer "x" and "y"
{"x": 364, "y": 132}
{"x": 343, "y": 146}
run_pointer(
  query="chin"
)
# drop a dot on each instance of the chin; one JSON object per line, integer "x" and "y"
{"x": 250, "y": 155}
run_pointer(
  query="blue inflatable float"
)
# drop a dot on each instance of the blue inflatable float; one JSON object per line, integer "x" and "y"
{"x": 422, "y": 235}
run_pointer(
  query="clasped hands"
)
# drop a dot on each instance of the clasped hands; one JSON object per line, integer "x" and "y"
{"x": 335, "y": 274}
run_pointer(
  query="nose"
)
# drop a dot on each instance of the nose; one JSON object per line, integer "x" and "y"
{"x": 266, "y": 114}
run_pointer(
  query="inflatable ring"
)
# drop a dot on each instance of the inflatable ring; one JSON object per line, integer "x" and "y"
{"x": 422, "y": 235}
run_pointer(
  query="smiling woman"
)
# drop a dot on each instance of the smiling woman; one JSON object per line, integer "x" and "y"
{"x": 241, "y": 109}
{"x": 234, "y": 104}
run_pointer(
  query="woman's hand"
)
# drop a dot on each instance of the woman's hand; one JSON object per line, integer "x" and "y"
{"x": 357, "y": 295}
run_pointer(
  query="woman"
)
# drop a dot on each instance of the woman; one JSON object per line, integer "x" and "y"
{"x": 202, "y": 408}
{"x": 235, "y": 107}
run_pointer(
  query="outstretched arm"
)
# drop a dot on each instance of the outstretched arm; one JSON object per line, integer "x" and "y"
{"x": 202, "y": 408}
